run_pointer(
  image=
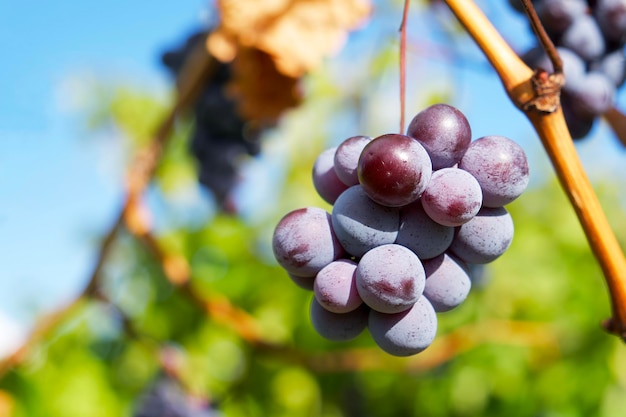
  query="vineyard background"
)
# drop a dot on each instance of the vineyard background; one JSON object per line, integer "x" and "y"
{"x": 526, "y": 343}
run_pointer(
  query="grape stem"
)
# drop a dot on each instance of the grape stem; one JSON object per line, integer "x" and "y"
{"x": 517, "y": 79}
{"x": 617, "y": 120}
{"x": 405, "y": 14}
{"x": 542, "y": 35}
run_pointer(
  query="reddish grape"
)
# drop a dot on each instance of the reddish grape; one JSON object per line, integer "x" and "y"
{"x": 304, "y": 242}
{"x": 346, "y": 159}
{"x": 452, "y": 197}
{"x": 335, "y": 287}
{"x": 394, "y": 170}
{"x": 325, "y": 179}
{"x": 390, "y": 278}
{"x": 444, "y": 132}
{"x": 500, "y": 166}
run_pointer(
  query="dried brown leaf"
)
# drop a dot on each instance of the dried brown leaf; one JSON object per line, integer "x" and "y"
{"x": 297, "y": 34}
{"x": 261, "y": 91}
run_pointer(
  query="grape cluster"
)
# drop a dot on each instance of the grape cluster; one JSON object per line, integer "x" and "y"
{"x": 166, "y": 398}
{"x": 220, "y": 136}
{"x": 411, "y": 214}
{"x": 589, "y": 36}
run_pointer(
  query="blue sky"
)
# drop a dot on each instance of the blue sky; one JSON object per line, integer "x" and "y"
{"x": 59, "y": 190}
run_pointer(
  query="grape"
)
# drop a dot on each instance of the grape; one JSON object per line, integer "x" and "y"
{"x": 447, "y": 282}
{"x": 612, "y": 65}
{"x": 452, "y": 197}
{"x": 558, "y": 15}
{"x": 611, "y": 15}
{"x": 421, "y": 234}
{"x": 390, "y": 278}
{"x": 500, "y": 166}
{"x": 584, "y": 37}
{"x": 591, "y": 96}
{"x": 579, "y": 126}
{"x": 362, "y": 224}
{"x": 335, "y": 326}
{"x": 166, "y": 398}
{"x": 484, "y": 238}
{"x": 346, "y": 159}
{"x": 335, "y": 287}
{"x": 304, "y": 242}
{"x": 325, "y": 179}
{"x": 306, "y": 283}
{"x": 444, "y": 132}
{"x": 394, "y": 169}
{"x": 221, "y": 137}
{"x": 405, "y": 333}
{"x": 573, "y": 65}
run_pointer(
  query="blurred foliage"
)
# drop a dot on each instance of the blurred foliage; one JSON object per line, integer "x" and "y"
{"x": 531, "y": 342}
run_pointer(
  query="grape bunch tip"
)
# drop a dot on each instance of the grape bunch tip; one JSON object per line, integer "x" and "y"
{"x": 412, "y": 216}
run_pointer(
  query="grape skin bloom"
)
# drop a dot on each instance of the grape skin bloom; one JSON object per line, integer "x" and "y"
{"x": 453, "y": 197}
{"x": 422, "y": 234}
{"x": 484, "y": 238}
{"x": 335, "y": 287}
{"x": 362, "y": 224}
{"x": 304, "y": 242}
{"x": 500, "y": 167}
{"x": 346, "y": 159}
{"x": 406, "y": 333}
{"x": 447, "y": 282}
{"x": 325, "y": 180}
{"x": 338, "y": 327}
{"x": 390, "y": 278}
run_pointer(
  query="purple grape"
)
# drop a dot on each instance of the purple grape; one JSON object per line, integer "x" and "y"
{"x": 500, "y": 166}
{"x": 447, "y": 282}
{"x": 591, "y": 96}
{"x": 584, "y": 37}
{"x": 418, "y": 232}
{"x": 304, "y": 242}
{"x": 557, "y": 15}
{"x": 362, "y": 224}
{"x": 347, "y": 159}
{"x": 325, "y": 179}
{"x": 573, "y": 65}
{"x": 611, "y": 16}
{"x": 579, "y": 126}
{"x": 444, "y": 132}
{"x": 167, "y": 397}
{"x": 484, "y": 238}
{"x": 452, "y": 197}
{"x": 335, "y": 287}
{"x": 338, "y": 327}
{"x": 612, "y": 65}
{"x": 394, "y": 169}
{"x": 390, "y": 278}
{"x": 306, "y": 283}
{"x": 405, "y": 333}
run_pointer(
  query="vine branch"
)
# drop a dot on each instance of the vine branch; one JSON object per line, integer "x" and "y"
{"x": 517, "y": 79}
{"x": 191, "y": 79}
